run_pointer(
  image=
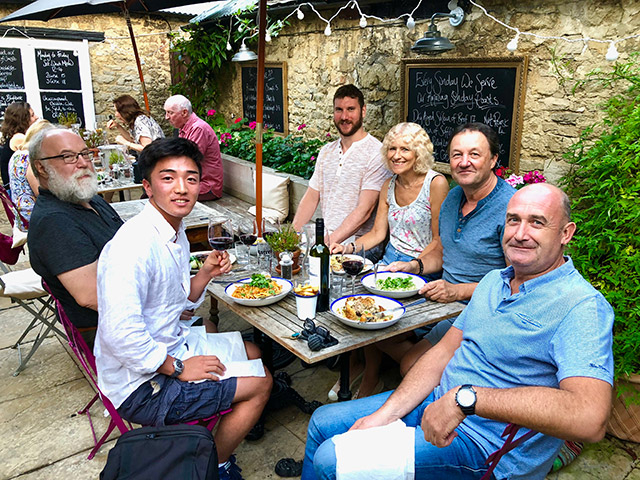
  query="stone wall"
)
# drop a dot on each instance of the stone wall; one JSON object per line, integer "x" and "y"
{"x": 370, "y": 58}
{"x": 113, "y": 66}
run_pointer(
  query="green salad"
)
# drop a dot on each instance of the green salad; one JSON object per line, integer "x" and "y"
{"x": 397, "y": 284}
{"x": 196, "y": 262}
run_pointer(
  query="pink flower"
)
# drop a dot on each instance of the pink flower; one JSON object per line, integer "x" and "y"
{"x": 300, "y": 127}
{"x": 328, "y": 134}
{"x": 252, "y": 125}
{"x": 312, "y": 158}
{"x": 211, "y": 112}
{"x": 514, "y": 180}
{"x": 238, "y": 120}
{"x": 534, "y": 177}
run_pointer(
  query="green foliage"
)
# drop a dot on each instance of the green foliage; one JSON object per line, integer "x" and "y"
{"x": 604, "y": 186}
{"x": 285, "y": 239}
{"x": 290, "y": 154}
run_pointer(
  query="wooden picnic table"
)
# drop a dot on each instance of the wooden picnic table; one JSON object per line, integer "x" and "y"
{"x": 279, "y": 321}
{"x": 118, "y": 185}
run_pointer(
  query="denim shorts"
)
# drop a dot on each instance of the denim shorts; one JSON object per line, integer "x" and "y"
{"x": 167, "y": 401}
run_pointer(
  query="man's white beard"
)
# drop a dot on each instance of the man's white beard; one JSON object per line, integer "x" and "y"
{"x": 70, "y": 189}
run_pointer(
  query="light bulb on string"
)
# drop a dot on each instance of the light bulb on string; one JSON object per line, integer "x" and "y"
{"x": 300, "y": 14}
{"x": 363, "y": 22}
{"x": 411, "y": 24}
{"x": 612, "y": 53}
{"x": 327, "y": 31}
{"x": 267, "y": 37}
{"x": 228, "y": 46}
{"x": 512, "y": 46}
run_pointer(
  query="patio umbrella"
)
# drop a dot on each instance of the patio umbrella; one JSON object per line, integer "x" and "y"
{"x": 47, "y": 9}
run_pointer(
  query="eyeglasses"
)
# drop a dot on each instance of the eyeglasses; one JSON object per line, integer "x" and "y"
{"x": 309, "y": 328}
{"x": 70, "y": 158}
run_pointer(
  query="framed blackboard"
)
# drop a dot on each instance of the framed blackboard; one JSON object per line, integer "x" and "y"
{"x": 57, "y": 69}
{"x": 7, "y": 98}
{"x": 275, "y": 95}
{"x": 56, "y": 103}
{"x": 11, "y": 76}
{"x": 440, "y": 94}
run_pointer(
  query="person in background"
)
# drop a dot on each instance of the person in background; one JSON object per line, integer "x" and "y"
{"x": 17, "y": 118}
{"x": 137, "y": 128}
{"x": 408, "y": 210}
{"x": 179, "y": 113}
{"x": 24, "y": 184}
{"x": 348, "y": 175}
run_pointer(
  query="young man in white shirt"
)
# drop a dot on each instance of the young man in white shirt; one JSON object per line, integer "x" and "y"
{"x": 147, "y": 360}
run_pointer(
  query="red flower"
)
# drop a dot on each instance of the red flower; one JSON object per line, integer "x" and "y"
{"x": 238, "y": 120}
{"x": 211, "y": 112}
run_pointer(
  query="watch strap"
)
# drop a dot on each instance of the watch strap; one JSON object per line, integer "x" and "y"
{"x": 178, "y": 368}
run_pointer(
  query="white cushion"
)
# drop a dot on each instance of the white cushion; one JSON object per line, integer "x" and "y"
{"x": 24, "y": 284}
{"x": 275, "y": 197}
{"x": 19, "y": 237}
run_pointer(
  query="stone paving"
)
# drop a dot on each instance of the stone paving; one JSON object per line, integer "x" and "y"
{"x": 41, "y": 436}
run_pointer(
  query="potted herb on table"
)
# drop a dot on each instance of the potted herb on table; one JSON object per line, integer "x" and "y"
{"x": 285, "y": 239}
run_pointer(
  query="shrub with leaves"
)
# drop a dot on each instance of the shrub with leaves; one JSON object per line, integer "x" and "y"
{"x": 604, "y": 187}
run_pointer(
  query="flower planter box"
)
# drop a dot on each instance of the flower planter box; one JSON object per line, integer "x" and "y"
{"x": 238, "y": 182}
{"x": 624, "y": 422}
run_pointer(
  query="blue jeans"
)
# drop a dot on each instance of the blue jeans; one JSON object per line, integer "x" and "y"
{"x": 463, "y": 459}
{"x": 391, "y": 254}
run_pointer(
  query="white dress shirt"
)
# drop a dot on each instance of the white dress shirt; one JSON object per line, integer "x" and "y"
{"x": 143, "y": 287}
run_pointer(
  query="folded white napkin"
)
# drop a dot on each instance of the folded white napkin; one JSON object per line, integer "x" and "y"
{"x": 380, "y": 453}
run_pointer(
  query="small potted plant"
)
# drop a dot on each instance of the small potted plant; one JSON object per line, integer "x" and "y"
{"x": 285, "y": 239}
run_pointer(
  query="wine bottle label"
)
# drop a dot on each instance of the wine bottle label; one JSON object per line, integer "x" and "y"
{"x": 314, "y": 271}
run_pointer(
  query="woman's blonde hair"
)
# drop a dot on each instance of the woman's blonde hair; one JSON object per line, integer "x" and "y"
{"x": 36, "y": 127}
{"x": 417, "y": 140}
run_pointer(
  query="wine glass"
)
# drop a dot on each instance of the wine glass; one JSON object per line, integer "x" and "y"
{"x": 248, "y": 233}
{"x": 353, "y": 265}
{"x": 220, "y": 233}
{"x": 307, "y": 240}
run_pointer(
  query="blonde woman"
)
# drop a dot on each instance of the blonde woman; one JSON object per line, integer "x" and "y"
{"x": 408, "y": 210}
{"x": 24, "y": 184}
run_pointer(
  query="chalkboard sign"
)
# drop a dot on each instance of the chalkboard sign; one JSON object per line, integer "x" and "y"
{"x": 56, "y": 103}
{"x": 7, "y": 98}
{"x": 440, "y": 94}
{"x": 275, "y": 95}
{"x": 57, "y": 69}
{"x": 11, "y": 77}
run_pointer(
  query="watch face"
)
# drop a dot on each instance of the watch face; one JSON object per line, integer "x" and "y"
{"x": 179, "y": 363}
{"x": 465, "y": 397}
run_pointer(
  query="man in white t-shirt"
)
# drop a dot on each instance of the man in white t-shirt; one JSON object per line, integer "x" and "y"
{"x": 348, "y": 175}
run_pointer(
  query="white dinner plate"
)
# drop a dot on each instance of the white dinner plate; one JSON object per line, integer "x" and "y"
{"x": 259, "y": 302}
{"x": 204, "y": 254}
{"x": 385, "y": 302}
{"x": 368, "y": 264}
{"x": 369, "y": 283}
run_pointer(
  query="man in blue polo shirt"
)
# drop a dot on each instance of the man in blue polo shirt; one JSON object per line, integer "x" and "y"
{"x": 532, "y": 348}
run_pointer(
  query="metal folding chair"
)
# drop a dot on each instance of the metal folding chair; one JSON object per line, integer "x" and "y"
{"x": 88, "y": 362}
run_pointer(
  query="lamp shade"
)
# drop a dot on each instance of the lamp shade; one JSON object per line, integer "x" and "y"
{"x": 244, "y": 54}
{"x": 432, "y": 42}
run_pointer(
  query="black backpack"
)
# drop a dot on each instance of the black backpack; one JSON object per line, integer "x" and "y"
{"x": 180, "y": 452}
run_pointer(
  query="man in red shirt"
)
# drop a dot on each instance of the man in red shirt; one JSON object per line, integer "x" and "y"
{"x": 180, "y": 115}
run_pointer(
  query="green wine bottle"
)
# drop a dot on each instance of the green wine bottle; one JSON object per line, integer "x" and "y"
{"x": 319, "y": 267}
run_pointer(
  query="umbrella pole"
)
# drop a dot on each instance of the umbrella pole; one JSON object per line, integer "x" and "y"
{"x": 262, "y": 30}
{"x": 135, "y": 53}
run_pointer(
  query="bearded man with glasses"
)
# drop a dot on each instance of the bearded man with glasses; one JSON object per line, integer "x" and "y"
{"x": 70, "y": 223}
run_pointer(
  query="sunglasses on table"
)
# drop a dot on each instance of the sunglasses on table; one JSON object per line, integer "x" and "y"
{"x": 71, "y": 158}
{"x": 309, "y": 328}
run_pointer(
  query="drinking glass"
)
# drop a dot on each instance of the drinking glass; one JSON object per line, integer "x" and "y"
{"x": 353, "y": 265}
{"x": 220, "y": 233}
{"x": 309, "y": 233}
{"x": 248, "y": 234}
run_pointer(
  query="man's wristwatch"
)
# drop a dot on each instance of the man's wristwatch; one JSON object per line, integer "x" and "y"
{"x": 466, "y": 399}
{"x": 178, "y": 368}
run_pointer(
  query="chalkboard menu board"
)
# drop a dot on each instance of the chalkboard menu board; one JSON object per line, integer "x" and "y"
{"x": 57, "y": 69}
{"x": 11, "y": 77}
{"x": 56, "y": 103}
{"x": 275, "y": 95}
{"x": 440, "y": 94}
{"x": 7, "y": 98}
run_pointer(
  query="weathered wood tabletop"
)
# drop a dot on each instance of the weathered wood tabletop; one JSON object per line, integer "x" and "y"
{"x": 279, "y": 321}
{"x": 118, "y": 185}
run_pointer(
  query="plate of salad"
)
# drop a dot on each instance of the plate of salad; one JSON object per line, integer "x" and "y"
{"x": 197, "y": 259}
{"x": 393, "y": 284}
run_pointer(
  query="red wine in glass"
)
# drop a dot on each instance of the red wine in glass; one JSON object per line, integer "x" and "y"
{"x": 248, "y": 239}
{"x": 352, "y": 267}
{"x": 221, "y": 243}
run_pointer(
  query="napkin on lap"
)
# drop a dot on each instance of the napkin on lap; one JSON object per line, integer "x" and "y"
{"x": 380, "y": 453}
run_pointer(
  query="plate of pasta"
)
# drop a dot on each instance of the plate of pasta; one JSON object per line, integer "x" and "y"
{"x": 367, "y": 312}
{"x": 258, "y": 290}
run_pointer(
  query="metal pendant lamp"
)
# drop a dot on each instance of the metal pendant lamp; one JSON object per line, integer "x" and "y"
{"x": 244, "y": 54}
{"x": 433, "y": 42}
